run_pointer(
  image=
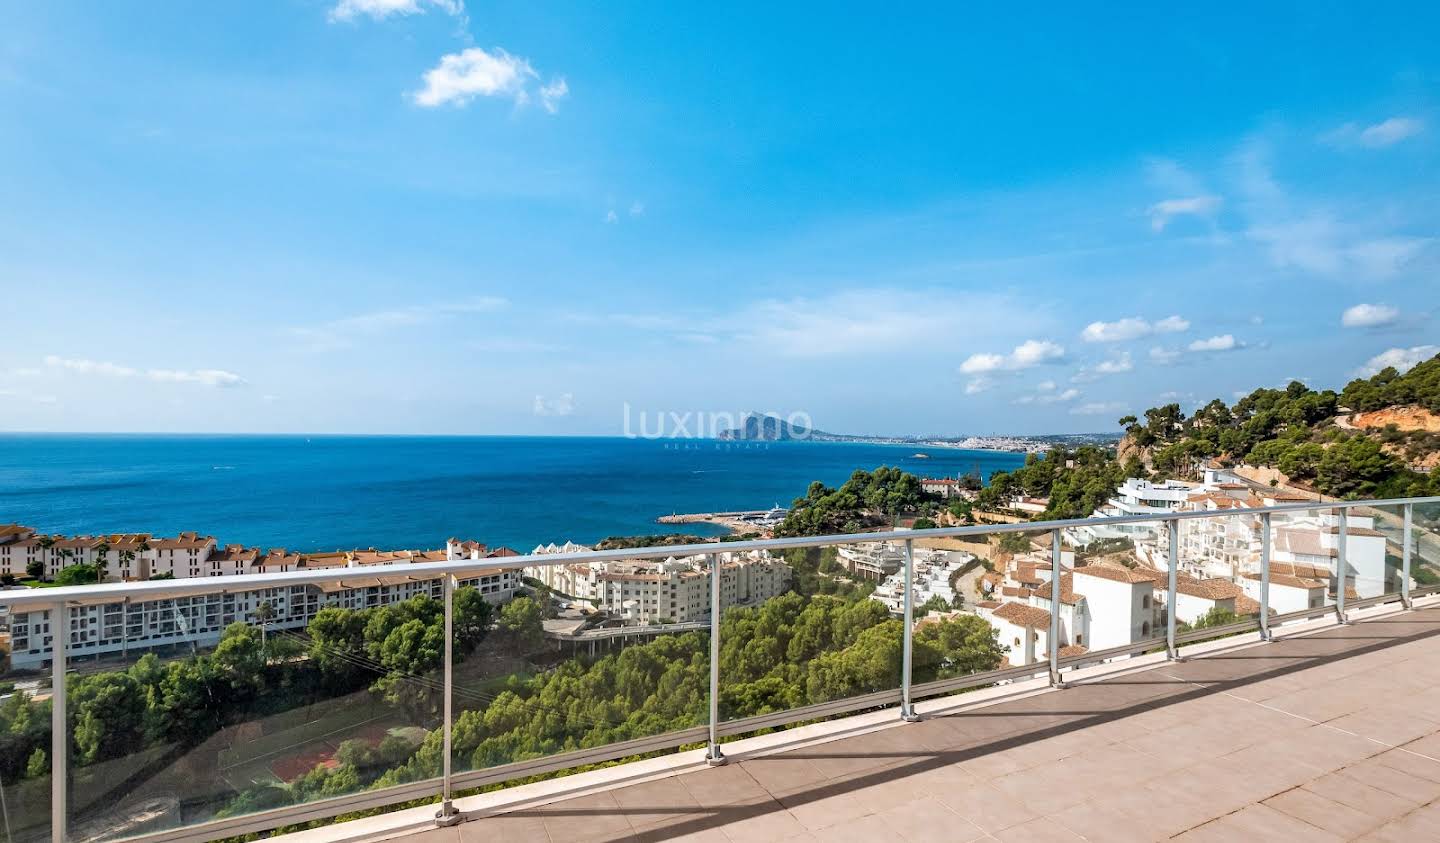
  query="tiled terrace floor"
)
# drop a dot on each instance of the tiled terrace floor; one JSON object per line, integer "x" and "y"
{"x": 1331, "y": 736}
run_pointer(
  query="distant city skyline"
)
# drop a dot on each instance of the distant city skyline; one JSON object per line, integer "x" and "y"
{"x": 432, "y": 216}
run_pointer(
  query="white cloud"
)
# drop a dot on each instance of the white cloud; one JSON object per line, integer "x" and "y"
{"x": 204, "y": 377}
{"x": 976, "y": 386}
{"x": 1221, "y": 342}
{"x": 1098, "y": 408}
{"x": 1402, "y": 359}
{"x": 1162, "y": 212}
{"x": 611, "y": 216}
{"x": 564, "y": 405}
{"x": 1116, "y": 365}
{"x": 1369, "y": 316}
{"x": 1132, "y": 328}
{"x": 637, "y": 208}
{"x": 1387, "y": 132}
{"x": 1025, "y": 355}
{"x": 474, "y": 72}
{"x": 347, "y": 10}
{"x": 1163, "y": 356}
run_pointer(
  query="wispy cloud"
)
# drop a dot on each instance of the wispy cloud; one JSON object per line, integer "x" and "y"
{"x": 1099, "y": 408}
{"x": 1162, "y": 356}
{"x": 1162, "y": 212}
{"x": 341, "y": 333}
{"x": 1047, "y": 392}
{"x": 1132, "y": 328}
{"x": 475, "y": 72}
{"x": 1369, "y": 316}
{"x": 1387, "y": 132}
{"x": 1314, "y": 240}
{"x": 102, "y": 368}
{"x": 348, "y": 10}
{"x": 1401, "y": 359}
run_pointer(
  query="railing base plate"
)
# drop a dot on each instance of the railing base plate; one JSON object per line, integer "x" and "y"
{"x": 715, "y": 758}
{"x": 448, "y": 816}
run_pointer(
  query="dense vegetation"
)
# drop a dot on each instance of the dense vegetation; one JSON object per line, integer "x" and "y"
{"x": 869, "y": 499}
{"x": 1076, "y": 482}
{"x": 181, "y": 703}
{"x": 1389, "y": 388}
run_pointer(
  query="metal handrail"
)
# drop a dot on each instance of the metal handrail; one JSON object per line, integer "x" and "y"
{"x": 463, "y": 569}
{"x": 60, "y": 601}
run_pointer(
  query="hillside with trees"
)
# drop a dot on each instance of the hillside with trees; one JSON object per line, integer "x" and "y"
{"x": 868, "y": 500}
{"x": 1300, "y": 432}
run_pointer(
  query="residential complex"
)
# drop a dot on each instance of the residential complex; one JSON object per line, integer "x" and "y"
{"x": 125, "y": 626}
{"x": 674, "y": 589}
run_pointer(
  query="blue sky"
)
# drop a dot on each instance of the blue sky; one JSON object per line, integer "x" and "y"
{"x": 433, "y": 217}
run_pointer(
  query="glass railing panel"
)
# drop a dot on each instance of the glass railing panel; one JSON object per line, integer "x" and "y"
{"x": 202, "y": 707}
{"x": 1116, "y": 590}
{"x": 580, "y": 657}
{"x": 958, "y": 586}
{"x": 1218, "y": 582}
{"x": 25, "y": 717}
{"x": 1425, "y": 547}
{"x": 827, "y": 629}
{"x": 1374, "y": 550}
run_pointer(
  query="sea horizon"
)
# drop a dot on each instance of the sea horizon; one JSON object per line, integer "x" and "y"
{"x": 411, "y": 491}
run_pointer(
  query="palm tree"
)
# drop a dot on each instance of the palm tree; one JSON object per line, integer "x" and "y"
{"x": 102, "y": 559}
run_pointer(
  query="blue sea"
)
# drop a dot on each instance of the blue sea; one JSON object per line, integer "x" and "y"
{"x": 334, "y": 492}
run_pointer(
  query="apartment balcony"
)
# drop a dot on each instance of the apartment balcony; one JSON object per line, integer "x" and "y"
{"x": 813, "y": 715}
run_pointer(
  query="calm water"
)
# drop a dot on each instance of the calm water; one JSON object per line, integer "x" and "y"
{"x": 324, "y": 493}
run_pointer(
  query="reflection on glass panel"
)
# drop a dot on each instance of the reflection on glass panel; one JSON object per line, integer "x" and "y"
{"x": 1118, "y": 583}
{"x": 189, "y": 708}
{"x": 831, "y": 631}
{"x": 1425, "y": 546}
{"x": 1374, "y": 549}
{"x": 25, "y": 762}
{"x": 584, "y": 655}
{"x": 1218, "y": 580}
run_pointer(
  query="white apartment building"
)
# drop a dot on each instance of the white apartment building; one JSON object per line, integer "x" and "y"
{"x": 871, "y": 560}
{"x": 1074, "y": 610}
{"x": 1134, "y": 497}
{"x": 1288, "y": 593}
{"x": 1120, "y": 603}
{"x": 675, "y": 589}
{"x": 127, "y": 626}
{"x": 1022, "y": 629}
{"x": 934, "y": 572}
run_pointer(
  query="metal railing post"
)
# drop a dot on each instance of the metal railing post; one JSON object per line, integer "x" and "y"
{"x": 1265, "y": 579}
{"x": 713, "y": 756}
{"x": 59, "y": 724}
{"x": 448, "y": 814}
{"x": 1406, "y": 537}
{"x": 1341, "y": 566}
{"x": 907, "y": 707}
{"x": 1171, "y": 652}
{"x": 1054, "y": 642}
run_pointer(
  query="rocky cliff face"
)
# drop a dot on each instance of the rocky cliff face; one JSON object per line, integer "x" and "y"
{"x": 1407, "y": 418}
